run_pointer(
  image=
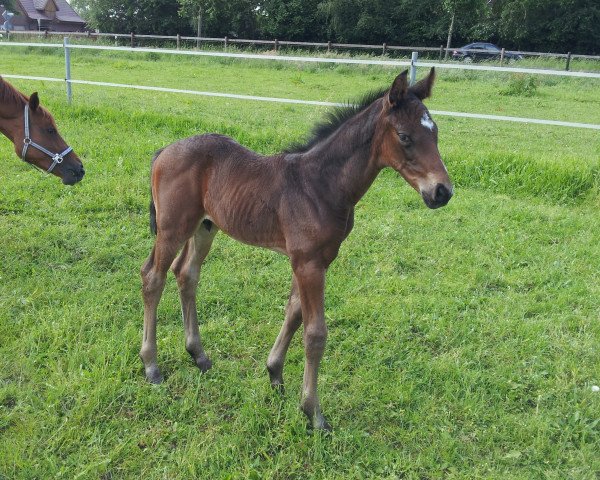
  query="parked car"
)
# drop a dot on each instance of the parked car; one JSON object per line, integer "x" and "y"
{"x": 482, "y": 51}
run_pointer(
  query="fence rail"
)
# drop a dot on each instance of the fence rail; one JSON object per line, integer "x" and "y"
{"x": 504, "y": 118}
{"x": 287, "y": 58}
{"x": 69, "y": 81}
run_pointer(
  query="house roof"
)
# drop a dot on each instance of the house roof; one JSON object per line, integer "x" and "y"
{"x": 40, "y": 4}
{"x": 34, "y": 9}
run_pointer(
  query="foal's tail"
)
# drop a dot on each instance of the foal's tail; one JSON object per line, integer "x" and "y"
{"x": 153, "y": 227}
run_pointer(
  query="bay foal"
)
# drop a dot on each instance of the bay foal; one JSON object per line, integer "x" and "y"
{"x": 32, "y": 130}
{"x": 299, "y": 203}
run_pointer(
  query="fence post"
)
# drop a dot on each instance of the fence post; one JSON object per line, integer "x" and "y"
{"x": 276, "y": 45}
{"x": 132, "y": 40}
{"x": 225, "y": 42}
{"x": 568, "y": 61}
{"x": 178, "y": 41}
{"x": 68, "y": 69}
{"x": 441, "y": 52}
{"x": 413, "y": 67}
{"x": 502, "y": 56}
{"x": 384, "y": 48}
{"x": 328, "y": 46}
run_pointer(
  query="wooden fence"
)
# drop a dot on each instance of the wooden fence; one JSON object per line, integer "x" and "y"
{"x": 440, "y": 52}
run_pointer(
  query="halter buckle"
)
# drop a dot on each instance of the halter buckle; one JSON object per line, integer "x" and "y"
{"x": 27, "y": 141}
{"x": 57, "y": 158}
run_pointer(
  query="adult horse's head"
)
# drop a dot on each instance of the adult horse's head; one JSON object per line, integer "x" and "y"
{"x": 38, "y": 142}
{"x": 410, "y": 136}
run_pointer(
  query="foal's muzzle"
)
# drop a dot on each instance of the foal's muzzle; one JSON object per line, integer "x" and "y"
{"x": 439, "y": 196}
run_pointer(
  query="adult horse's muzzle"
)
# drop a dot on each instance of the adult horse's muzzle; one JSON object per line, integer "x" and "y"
{"x": 72, "y": 172}
{"x": 438, "y": 196}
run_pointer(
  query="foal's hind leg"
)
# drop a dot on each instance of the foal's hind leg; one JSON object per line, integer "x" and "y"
{"x": 293, "y": 320}
{"x": 154, "y": 272}
{"x": 187, "y": 270}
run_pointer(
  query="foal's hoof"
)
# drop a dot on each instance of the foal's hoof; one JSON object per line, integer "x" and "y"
{"x": 320, "y": 424}
{"x": 204, "y": 364}
{"x": 278, "y": 387}
{"x": 276, "y": 378}
{"x": 153, "y": 375}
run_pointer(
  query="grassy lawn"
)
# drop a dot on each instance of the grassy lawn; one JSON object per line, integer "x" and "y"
{"x": 463, "y": 342}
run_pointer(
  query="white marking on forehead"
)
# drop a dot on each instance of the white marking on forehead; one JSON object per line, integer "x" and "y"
{"x": 427, "y": 122}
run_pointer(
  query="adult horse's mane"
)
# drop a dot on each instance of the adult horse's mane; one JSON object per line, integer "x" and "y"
{"x": 334, "y": 119}
{"x": 10, "y": 94}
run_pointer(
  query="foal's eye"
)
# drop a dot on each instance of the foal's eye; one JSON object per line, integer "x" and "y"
{"x": 51, "y": 130}
{"x": 404, "y": 139}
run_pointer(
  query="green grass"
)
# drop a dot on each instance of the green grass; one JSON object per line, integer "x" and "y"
{"x": 463, "y": 341}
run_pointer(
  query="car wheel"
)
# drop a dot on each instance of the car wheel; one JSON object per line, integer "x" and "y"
{"x": 468, "y": 60}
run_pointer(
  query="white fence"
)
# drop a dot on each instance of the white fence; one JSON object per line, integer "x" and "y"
{"x": 69, "y": 81}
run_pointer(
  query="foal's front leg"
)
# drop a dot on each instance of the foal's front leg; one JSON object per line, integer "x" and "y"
{"x": 311, "y": 285}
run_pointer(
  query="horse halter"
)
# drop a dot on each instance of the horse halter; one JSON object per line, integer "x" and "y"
{"x": 57, "y": 158}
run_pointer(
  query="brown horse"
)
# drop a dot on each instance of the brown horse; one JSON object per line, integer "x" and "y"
{"x": 299, "y": 203}
{"x": 33, "y": 131}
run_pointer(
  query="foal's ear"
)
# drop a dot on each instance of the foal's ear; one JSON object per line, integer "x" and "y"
{"x": 34, "y": 101}
{"x": 422, "y": 89}
{"x": 399, "y": 88}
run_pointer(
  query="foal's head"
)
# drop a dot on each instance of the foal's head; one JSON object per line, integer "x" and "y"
{"x": 58, "y": 158}
{"x": 408, "y": 141}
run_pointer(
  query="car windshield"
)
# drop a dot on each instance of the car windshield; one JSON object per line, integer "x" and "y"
{"x": 489, "y": 46}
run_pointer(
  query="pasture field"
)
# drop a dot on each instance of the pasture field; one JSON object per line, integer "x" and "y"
{"x": 463, "y": 342}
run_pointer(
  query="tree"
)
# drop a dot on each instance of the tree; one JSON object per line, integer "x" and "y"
{"x": 158, "y": 17}
{"x": 465, "y": 15}
{"x": 549, "y": 25}
{"x": 297, "y": 20}
{"x": 10, "y": 6}
{"x": 235, "y": 18}
{"x": 406, "y": 22}
{"x": 356, "y": 21}
{"x": 541, "y": 25}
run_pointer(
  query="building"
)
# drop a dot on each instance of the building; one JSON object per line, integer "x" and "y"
{"x": 53, "y": 15}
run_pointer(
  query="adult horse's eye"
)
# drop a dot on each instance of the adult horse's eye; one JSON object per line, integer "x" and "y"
{"x": 404, "y": 139}
{"x": 51, "y": 130}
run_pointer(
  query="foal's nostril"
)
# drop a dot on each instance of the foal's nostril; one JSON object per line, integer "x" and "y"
{"x": 442, "y": 194}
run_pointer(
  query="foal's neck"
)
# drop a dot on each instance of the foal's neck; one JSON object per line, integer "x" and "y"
{"x": 346, "y": 160}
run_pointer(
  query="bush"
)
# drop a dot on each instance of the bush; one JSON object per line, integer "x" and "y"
{"x": 521, "y": 85}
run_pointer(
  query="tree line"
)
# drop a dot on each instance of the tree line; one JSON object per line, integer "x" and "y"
{"x": 528, "y": 25}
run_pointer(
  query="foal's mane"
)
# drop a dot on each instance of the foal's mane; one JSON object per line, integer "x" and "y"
{"x": 333, "y": 120}
{"x": 9, "y": 94}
